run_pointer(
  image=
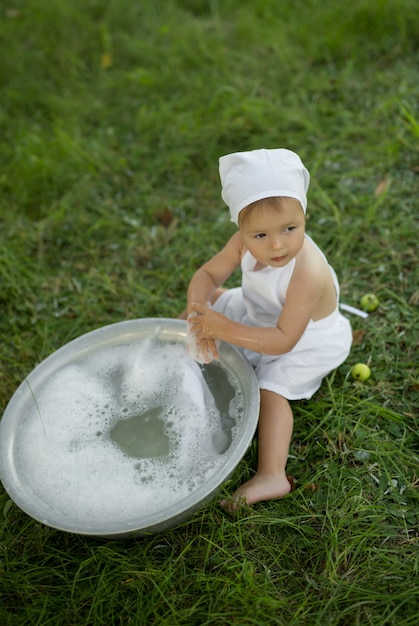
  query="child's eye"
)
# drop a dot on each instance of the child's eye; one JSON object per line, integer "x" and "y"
{"x": 260, "y": 236}
{"x": 289, "y": 229}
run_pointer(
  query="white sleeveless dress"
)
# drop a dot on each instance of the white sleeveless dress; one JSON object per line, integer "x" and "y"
{"x": 324, "y": 345}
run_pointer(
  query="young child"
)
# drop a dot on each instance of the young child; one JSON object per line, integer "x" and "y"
{"x": 285, "y": 316}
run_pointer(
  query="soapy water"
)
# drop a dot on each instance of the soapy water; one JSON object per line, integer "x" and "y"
{"x": 127, "y": 431}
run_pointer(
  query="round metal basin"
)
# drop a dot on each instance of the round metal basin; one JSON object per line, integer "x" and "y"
{"x": 120, "y": 433}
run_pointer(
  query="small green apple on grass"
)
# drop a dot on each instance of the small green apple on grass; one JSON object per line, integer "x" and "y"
{"x": 369, "y": 302}
{"x": 361, "y": 372}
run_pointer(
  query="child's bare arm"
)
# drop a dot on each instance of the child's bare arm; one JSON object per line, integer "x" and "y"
{"x": 213, "y": 273}
{"x": 303, "y": 294}
{"x": 201, "y": 290}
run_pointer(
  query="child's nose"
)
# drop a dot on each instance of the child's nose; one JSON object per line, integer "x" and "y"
{"x": 276, "y": 242}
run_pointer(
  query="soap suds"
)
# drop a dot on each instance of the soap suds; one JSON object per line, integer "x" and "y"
{"x": 69, "y": 460}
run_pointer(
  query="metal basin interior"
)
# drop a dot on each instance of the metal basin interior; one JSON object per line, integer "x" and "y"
{"x": 20, "y": 413}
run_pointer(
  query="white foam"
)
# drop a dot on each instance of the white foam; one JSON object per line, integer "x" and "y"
{"x": 67, "y": 457}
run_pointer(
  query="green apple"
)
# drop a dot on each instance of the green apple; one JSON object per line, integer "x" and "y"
{"x": 361, "y": 372}
{"x": 369, "y": 302}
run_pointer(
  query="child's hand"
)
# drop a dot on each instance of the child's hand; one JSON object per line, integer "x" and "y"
{"x": 208, "y": 324}
{"x": 201, "y": 349}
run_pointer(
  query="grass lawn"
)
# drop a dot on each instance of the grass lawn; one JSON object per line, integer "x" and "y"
{"x": 113, "y": 115}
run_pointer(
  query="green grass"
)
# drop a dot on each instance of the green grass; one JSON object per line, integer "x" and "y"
{"x": 109, "y": 200}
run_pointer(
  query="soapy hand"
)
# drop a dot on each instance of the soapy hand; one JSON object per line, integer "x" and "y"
{"x": 208, "y": 324}
{"x": 201, "y": 349}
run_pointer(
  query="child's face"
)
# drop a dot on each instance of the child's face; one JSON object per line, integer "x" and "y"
{"x": 274, "y": 235}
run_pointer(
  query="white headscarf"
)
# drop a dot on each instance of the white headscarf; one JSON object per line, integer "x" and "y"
{"x": 257, "y": 174}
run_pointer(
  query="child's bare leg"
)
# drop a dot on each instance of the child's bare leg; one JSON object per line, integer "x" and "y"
{"x": 274, "y": 436}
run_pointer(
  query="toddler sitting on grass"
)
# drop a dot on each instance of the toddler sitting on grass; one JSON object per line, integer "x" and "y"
{"x": 285, "y": 316}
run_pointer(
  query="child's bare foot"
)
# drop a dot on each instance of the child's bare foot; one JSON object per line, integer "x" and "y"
{"x": 257, "y": 489}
